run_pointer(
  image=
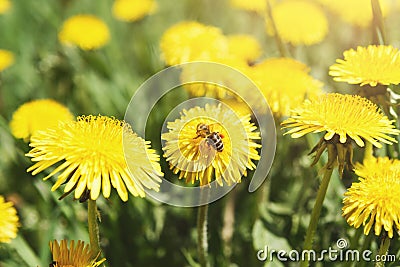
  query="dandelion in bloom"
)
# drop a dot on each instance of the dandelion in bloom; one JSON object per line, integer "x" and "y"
{"x": 77, "y": 255}
{"x": 86, "y": 31}
{"x": 372, "y": 65}
{"x": 226, "y": 72}
{"x": 190, "y": 41}
{"x": 38, "y": 115}
{"x": 285, "y": 83}
{"x": 355, "y": 12}
{"x": 9, "y": 221}
{"x": 133, "y": 10}
{"x": 299, "y": 22}
{"x": 211, "y": 142}
{"x": 5, "y": 5}
{"x": 244, "y": 46}
{"x": 374, "y": 201}
{"x": 93, "y": 154}
{"x": 6, "y": 59}
{"x": 341, "y": 118}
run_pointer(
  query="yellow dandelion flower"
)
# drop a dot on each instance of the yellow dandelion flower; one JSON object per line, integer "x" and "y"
{"x": 259, "y": 6}
{"x": 133, "y": 10}
{"x": 200, "y": 72}
{"x": 374, "y": 201}
{"x": 86, "y": 31}
{"x": 356, "y": 12}
{"x": 6, "y": 59}
{"x": 299, "y": 22}
{"x": 9, "y": 221}
{"x": 346, "y": 116}
{"x": 285, "y": 83}
{"x": 191, "y": 41}
{"x": 77, "y": 255}
{"x": 5, "y": 5}
{"x": 244, "y": 46}
{"x": 37, "y": 115}
{"x": 237, "y": 105}
{"x": 93, "y": 153}
{"x": 371, "y": 65}
{"x": 193, "y": 145}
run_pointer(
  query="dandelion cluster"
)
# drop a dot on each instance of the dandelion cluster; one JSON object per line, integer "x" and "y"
{"x": 94, "y": 154}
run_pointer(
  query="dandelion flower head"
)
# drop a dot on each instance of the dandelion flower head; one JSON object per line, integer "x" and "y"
{"x": 9, "y": 221}
{"x": 95, "y": 153}
{"x": 194, "y": 156}
{"x": 85, "y": 31}
{"x": 285, "y": 83}
{"x": 374, "y": 201}
{"x": 133, "y": 10}
{"x": 244, "y": 46}
{"x": 259, "y": 6}
{"x": 220, "y": 77}
{"x": 6, "y": 59}
{"x": 5, "y": 5}
{"x": 371, "y": 65}
{"x": 191, "y": 41}
{"x": 77, "y": 255}
{"x": 38, "y": 115}
{"x": 355, "y": 12}
{"x": 347, "y": 116}
{"x": 299, "y": 22}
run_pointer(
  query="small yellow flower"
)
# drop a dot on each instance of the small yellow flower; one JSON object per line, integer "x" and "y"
{"x": 9, "y": 221}
{"x": 191, "y": 153}
{"x": 299, "y": 22}
{"x": 5, "y": 5}
{"x": 259, "y": 6}
{"x": 77, "y": 255}
{"x": 6, "y": 59}
{"x": 374, "y": 201}
{"x": 347, "y": 116}
{"x": 285, "y": 83}
{"x": 190, "y": 41}
{"x": 204, "y": 72}
{"x": 133, "y": 10}
{"x": 371, "y": 65}
{"x": 237, "y": 105}
{"x": 244, "y": 46}
{"x": 356, "y": 12}
{"x": 86, "y": 31}
{"x": 95, "y": 153}
{"x": 38, "y": 115}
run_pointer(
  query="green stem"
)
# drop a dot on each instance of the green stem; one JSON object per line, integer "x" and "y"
{"x": 316, "y": 212}
{"x": 93, "y": 228}
{"x": 368, "y": 151}
{"x": 202, "y": 242}
{"x": 383, "y": 250}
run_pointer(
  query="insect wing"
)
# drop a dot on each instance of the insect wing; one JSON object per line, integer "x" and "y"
{"x": 207, "y": 153}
